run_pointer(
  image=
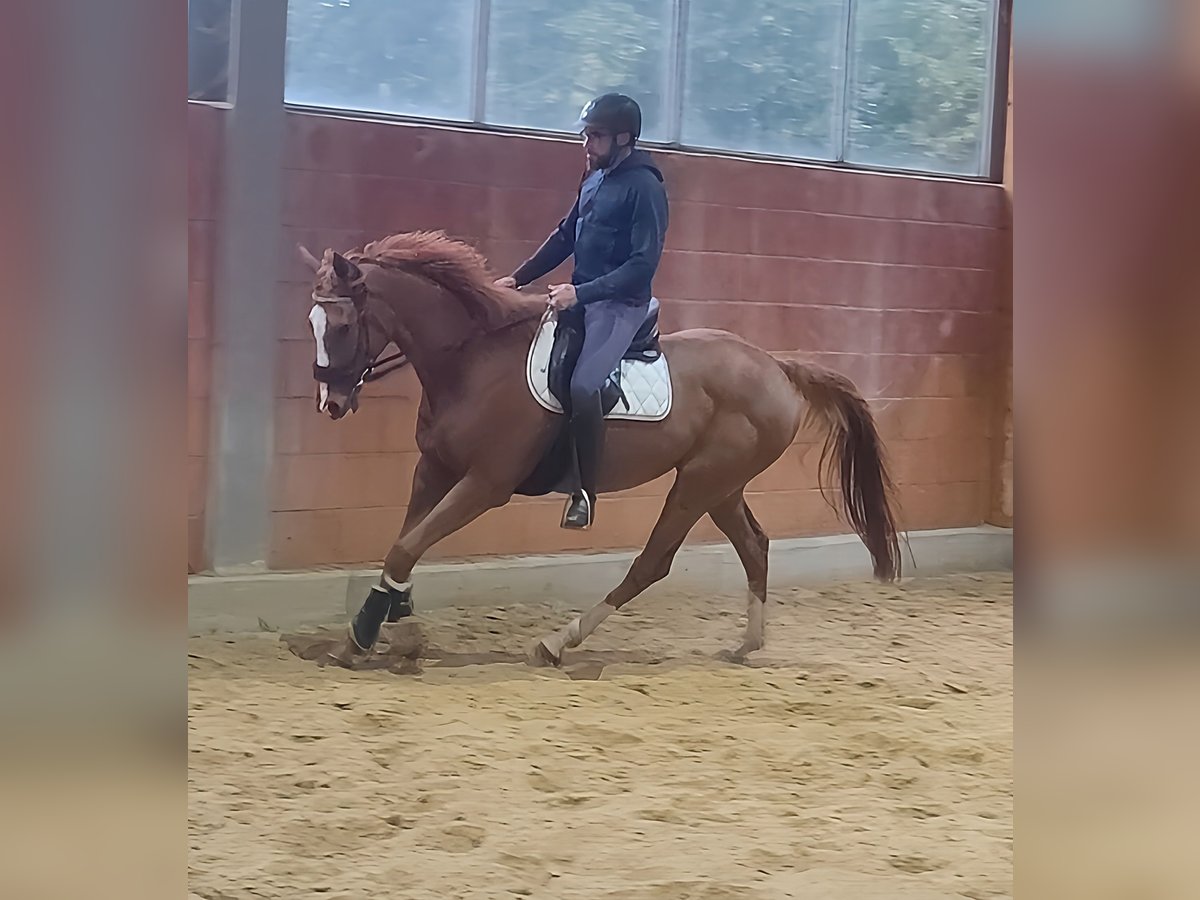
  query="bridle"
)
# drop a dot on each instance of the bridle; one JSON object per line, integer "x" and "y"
{"x": 374, "y": 369}
{"x": 381, "y": 366}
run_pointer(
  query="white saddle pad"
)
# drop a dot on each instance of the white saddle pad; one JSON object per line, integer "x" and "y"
{"x": 647, "y": 385}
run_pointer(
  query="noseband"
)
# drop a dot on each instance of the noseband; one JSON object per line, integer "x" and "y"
{"x": 374, "y": 370}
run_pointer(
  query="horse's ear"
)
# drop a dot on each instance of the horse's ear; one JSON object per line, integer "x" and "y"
{"x": 344, "y": 269}
{"x": 307, "y": 258}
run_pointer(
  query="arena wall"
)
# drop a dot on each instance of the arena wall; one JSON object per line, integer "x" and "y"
{"x": 901, "y": 282}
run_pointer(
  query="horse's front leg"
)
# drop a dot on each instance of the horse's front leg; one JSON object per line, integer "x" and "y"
{"x": 466, "y": 501}
{"x": 431, "y": 482}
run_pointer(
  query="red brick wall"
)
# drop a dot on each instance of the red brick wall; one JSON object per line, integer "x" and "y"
{"x": 204, "y": 155}
{"x": 891, "y": 280}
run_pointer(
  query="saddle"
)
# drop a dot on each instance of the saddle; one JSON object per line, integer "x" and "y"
{"x": 568, "y": 344}
{"x": 638, "y": 390}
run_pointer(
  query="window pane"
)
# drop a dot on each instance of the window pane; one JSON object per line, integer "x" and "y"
{"x": 765, "y": 75}
{"x": 547, "y": 58}
{"x": 411, "y": 57}
{"x": 208, "y": 50}
{"x": 920, "y": 83}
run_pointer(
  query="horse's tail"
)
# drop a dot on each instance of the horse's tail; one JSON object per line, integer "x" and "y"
{"x": 853, "y": 455}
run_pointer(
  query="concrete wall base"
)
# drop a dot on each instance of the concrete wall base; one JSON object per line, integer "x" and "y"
{"x": 240, "y": 603}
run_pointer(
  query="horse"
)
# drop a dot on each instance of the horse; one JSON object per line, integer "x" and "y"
{"x": 736, "y": 409}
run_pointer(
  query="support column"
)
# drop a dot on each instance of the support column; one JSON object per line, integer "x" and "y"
{"x": 244, "y": 333}
{"x": 1000, "y": 510}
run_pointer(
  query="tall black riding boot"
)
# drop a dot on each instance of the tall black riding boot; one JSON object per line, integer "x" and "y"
{"x": 587, "y": 429}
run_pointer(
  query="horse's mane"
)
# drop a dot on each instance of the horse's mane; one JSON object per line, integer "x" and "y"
{"x": 454, "y": 266}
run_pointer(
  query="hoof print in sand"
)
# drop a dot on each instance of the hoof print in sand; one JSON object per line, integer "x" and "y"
{"x": 400, "y": 648}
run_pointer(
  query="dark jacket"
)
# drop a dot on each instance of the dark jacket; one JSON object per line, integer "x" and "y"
{"x": 620, "y": 241}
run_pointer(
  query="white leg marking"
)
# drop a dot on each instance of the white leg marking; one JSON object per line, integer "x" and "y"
{"x": 755, "y": 616}
{"x": 589, "y": 622}
{"x": 319, "y": 320}
{"x": 574, "y": 634}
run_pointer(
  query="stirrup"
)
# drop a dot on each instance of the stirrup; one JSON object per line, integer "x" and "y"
{"x": 580, "y": 511}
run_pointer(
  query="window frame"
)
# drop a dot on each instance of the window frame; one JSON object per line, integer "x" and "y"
{"x": 993, "y": 137}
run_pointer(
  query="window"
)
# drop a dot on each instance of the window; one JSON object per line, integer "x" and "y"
{"x": 882, "y": 83}
{"x": 547, "y": 58}
{"x": 208, "y": 50}
{"x": 765, "y": 76}
{"x": 921, "y": 84}
{"x": 409, "y": 57}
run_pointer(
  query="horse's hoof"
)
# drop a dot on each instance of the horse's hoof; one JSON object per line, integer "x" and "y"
{"x": 543, "y": 657}
{"x": 344, "y": 654}
{"x": 337, "y": 657}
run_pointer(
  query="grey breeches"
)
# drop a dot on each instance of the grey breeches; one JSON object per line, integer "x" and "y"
{"x": 609, "y": 329}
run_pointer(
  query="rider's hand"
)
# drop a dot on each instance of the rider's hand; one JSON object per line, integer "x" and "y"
{"x": 562, "y": 296}
{"x": 506, "y": 282}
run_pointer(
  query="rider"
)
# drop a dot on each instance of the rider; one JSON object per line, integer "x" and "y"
{"x": 615, "y": 230}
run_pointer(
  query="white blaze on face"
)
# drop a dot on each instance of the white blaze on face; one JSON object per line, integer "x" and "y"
{"x": 319, "y": 320}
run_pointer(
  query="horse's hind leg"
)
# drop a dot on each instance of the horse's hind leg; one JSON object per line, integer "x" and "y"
{"x": 687, "y": 502}
{"x": 737, "y": 523}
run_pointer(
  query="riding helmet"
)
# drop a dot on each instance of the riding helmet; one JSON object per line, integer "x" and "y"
{"x": 616, "y": 113}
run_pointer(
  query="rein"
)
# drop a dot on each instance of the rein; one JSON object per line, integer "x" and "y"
{"x": 373, "y": 374}
{"x": 401, "y": 360}
{"x": 376, "y": 370}
{"x": 546, "y": 317}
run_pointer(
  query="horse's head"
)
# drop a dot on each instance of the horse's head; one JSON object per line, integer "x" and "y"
{"x": 348, "y": 338}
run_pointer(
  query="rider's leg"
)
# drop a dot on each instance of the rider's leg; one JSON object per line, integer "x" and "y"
{"x": 609, "y": 327}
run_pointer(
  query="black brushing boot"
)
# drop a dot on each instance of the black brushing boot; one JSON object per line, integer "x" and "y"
{"x": 402, "y": 602}
{"x": 364, "y": 627}
{"x": 384, "y": 602}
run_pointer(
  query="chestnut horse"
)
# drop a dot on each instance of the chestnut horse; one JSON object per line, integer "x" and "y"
{"x": 736, "y": 409}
